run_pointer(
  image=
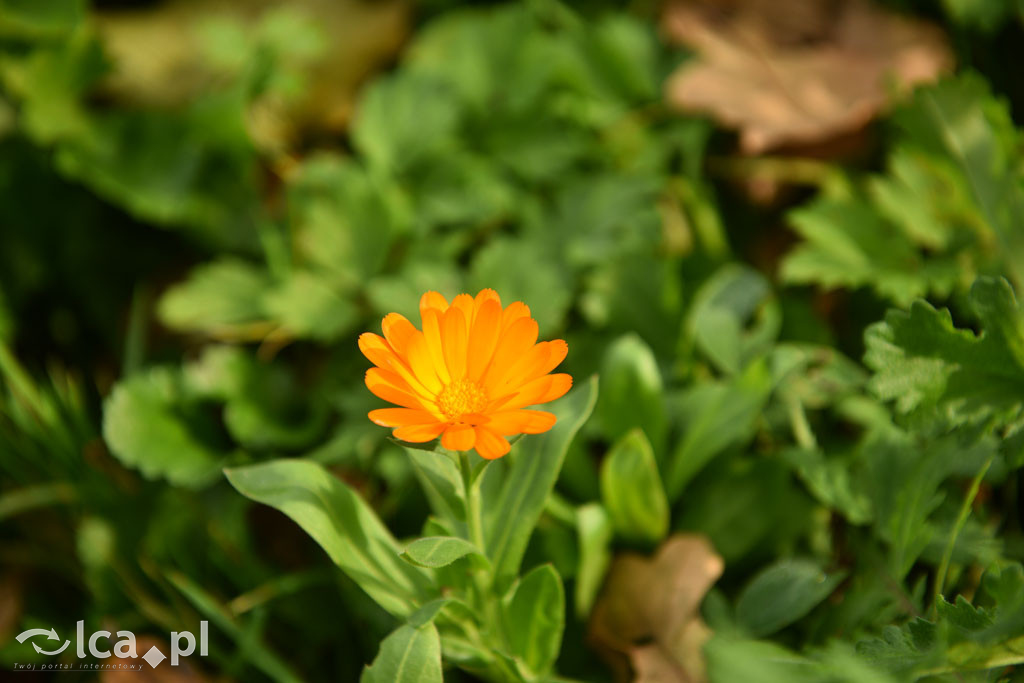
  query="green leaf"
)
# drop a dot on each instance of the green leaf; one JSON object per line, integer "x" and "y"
{"x": 926, "y": 198}
{"x": 631, "y": 391}
{"x": 533, "y": 467}
{"x": 832, "y": 481}
{"x": 408, "y": 655}
{"x": 960, "y": 121}
{"x": 963, "y": 637}
{"x": 438, "y": 551}
{"x": 345, "y": 220}
{"x": 847, "y": 244}
{"x": 404, "y": 119}
{"x": 783, "y": 593}
{"x": 426, "y": 614}
{"x": 730, "y": 658}
{"x": 925, "y": 364}
{"x": 535, "y": 618}
{"x": 441, "y": 481}
{"x": 594, "y": 530}
{"x": 344, "y": 526}
{"x": 307, "y": 306}
{"x": 50, "y": 83}
{"x": 904, "y": 476}
{"x": 734, "y": 318}
{"x": 198, "y": 170}
{"x": 524, "y": 271}
{"x": 949, "y": 207}
{"x": 749, "y": 506}
{"x": 264, "y": 405}
{"x": 26, "y": 18}
{"x": 146, "y": 425}
{"x": 216, "y": 296}
{"x": 631, "y": 489}
{"x": 986, "y": 15}
{"x": 636, "y": 292}
{"x": 233, "y": 299}
{"x": 715, "y": 416}
{"x": 624, "y": 57}
{"x": 466, "y": 189}
{"x": 601, "y": 217}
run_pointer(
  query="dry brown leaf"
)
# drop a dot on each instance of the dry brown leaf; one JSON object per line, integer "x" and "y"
{"x": 163, "y": 673}
{"x": 157, "y": 58}
{"x": 797, "y": 71}
{"x": 647, "y": 615}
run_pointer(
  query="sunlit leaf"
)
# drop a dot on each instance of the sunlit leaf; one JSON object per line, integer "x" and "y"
{"x": 535, "y": 618}
{"x": 631, "y": 489}
{"x": 344, "y": 526}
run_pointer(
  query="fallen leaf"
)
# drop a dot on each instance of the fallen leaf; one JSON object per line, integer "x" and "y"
{"x": 797, "y": 71}
{"x": 158, "y": 58}
{"x": 647, "y": 619}
{"x": 162, "y": 673}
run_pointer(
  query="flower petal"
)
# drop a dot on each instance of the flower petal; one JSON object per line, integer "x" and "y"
{"x": 376, "y": 349}
{"x": 432, "y": 334}
{"x": 510, "y": 422}
{"x": 483, "y": 339}
{"x": 397, "y": 330}
{"x": 464, "y": 302}
{"x": 513, "y": 312}
{"x": 514, "y": 342}
{"x": 392, "y": 388}
{"x": 422, "y": 363}
{"x": 482, "y": 297}
{"x": 433, "y": 300}
{"x": 561, "y": 383}
{"x": 489, "y": 444}
{"x": 541, "y": 390}
{"x": 380, "y": 354}
{"x": 419, "y": 433}
{"x": 454, "y": 338}
{"x": 559, "y": 350}
{"x": 399, "y": 417}
{"x": 459, "y": 437}
{"x": 526, "y": 368}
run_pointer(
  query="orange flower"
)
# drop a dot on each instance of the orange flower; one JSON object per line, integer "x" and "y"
{"x": 467, "y": 376}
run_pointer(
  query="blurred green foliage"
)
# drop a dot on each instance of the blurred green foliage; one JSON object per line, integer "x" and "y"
{"x": 178, "y": 299}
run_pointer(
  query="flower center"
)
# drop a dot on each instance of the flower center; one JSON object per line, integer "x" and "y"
{"x": 460, "y": 397}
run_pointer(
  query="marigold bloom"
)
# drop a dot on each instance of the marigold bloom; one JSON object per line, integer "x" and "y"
{"x": 467, "y": 376}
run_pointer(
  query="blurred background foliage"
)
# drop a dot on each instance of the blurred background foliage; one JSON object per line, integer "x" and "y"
{"x": 203, "y": 204}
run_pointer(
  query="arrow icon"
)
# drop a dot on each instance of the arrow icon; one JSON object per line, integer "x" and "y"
{"x": 55, "y": 652}
{"x": 50, "y": 635}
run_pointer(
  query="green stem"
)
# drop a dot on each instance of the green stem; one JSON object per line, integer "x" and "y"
{"x": 703, "y": 215}
{"x": 802, "y": 431}
{"x": 482, "y": 578}
{"x": 472, "y": 494}
{"x": 961, "y": 520}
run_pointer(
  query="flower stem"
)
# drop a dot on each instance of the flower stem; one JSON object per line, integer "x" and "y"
{"x": 961, "y": 520}
{"x": 472, "y": 494}
{"x": 482, "y": 577}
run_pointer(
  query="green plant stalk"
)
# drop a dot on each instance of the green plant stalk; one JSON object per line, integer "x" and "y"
{"x": 961, "y": 520}
{"x": 703, "y": 216}
{"x": 802, "y": 431}
{"x": 483, "y": 580}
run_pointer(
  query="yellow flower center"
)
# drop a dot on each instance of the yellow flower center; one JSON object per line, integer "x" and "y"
{"x": 461, "y": 397}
